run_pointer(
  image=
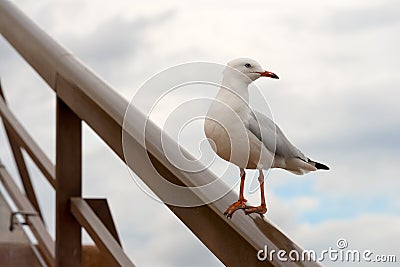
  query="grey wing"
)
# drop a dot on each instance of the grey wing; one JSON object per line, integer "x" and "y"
{"x": 265, "y": 130}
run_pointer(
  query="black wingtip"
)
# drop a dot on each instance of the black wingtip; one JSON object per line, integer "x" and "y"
{"x": 321, "y": 166}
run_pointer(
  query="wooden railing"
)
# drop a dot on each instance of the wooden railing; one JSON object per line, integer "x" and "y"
{"x": 82, "y": 96}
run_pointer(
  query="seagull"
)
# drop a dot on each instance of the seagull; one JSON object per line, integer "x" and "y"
{"x": 248, "y": 138}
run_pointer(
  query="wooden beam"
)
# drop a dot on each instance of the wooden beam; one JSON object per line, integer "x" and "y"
{"x": 99, "y": 233}
{"x": 46, "y": 243}
{"x": 20, "y": 162}
{"x": 26, "y": 141}
{"x": 102, "y": 210}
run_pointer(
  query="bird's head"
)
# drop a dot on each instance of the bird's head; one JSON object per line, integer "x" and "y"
{"x": 249, "y": 68}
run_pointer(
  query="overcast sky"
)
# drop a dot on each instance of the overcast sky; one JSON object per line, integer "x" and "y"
{"x": 337, "y": 99}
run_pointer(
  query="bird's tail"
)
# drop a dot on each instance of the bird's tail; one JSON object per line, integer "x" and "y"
{"x": 318, "y": 165}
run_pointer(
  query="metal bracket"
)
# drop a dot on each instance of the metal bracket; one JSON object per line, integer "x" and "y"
{"x": 25, "y": 214}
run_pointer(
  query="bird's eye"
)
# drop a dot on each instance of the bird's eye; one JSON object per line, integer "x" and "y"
{"x": 247, "y": 65}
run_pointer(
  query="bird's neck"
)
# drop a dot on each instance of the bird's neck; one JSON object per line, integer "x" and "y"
{"x": 233, "y": 96}
{"x": 234, "y": 90}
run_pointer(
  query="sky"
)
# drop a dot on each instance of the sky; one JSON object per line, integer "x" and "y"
{"x": 336, "y": 99}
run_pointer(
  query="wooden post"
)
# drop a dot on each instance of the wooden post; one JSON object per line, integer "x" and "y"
{"x": 68, "y": 184}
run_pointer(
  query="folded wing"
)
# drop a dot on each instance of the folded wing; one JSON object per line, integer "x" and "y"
{"x": 272, "y": 137}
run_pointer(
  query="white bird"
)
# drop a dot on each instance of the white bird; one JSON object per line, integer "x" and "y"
{"x": 247, "y": 138}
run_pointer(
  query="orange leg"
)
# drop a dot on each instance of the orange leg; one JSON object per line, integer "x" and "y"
{"x": 262, "y": 209}
{"x": 241, "y": 203}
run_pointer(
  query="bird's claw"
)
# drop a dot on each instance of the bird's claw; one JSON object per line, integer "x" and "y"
{"x": 240, "y": 204}
{"x": 260, "y": 210}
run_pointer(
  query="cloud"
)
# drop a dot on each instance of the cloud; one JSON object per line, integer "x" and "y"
{"x": 362, "y": 19}
{"x": 115, "y": 46}
{"x": 116, "y": 40}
